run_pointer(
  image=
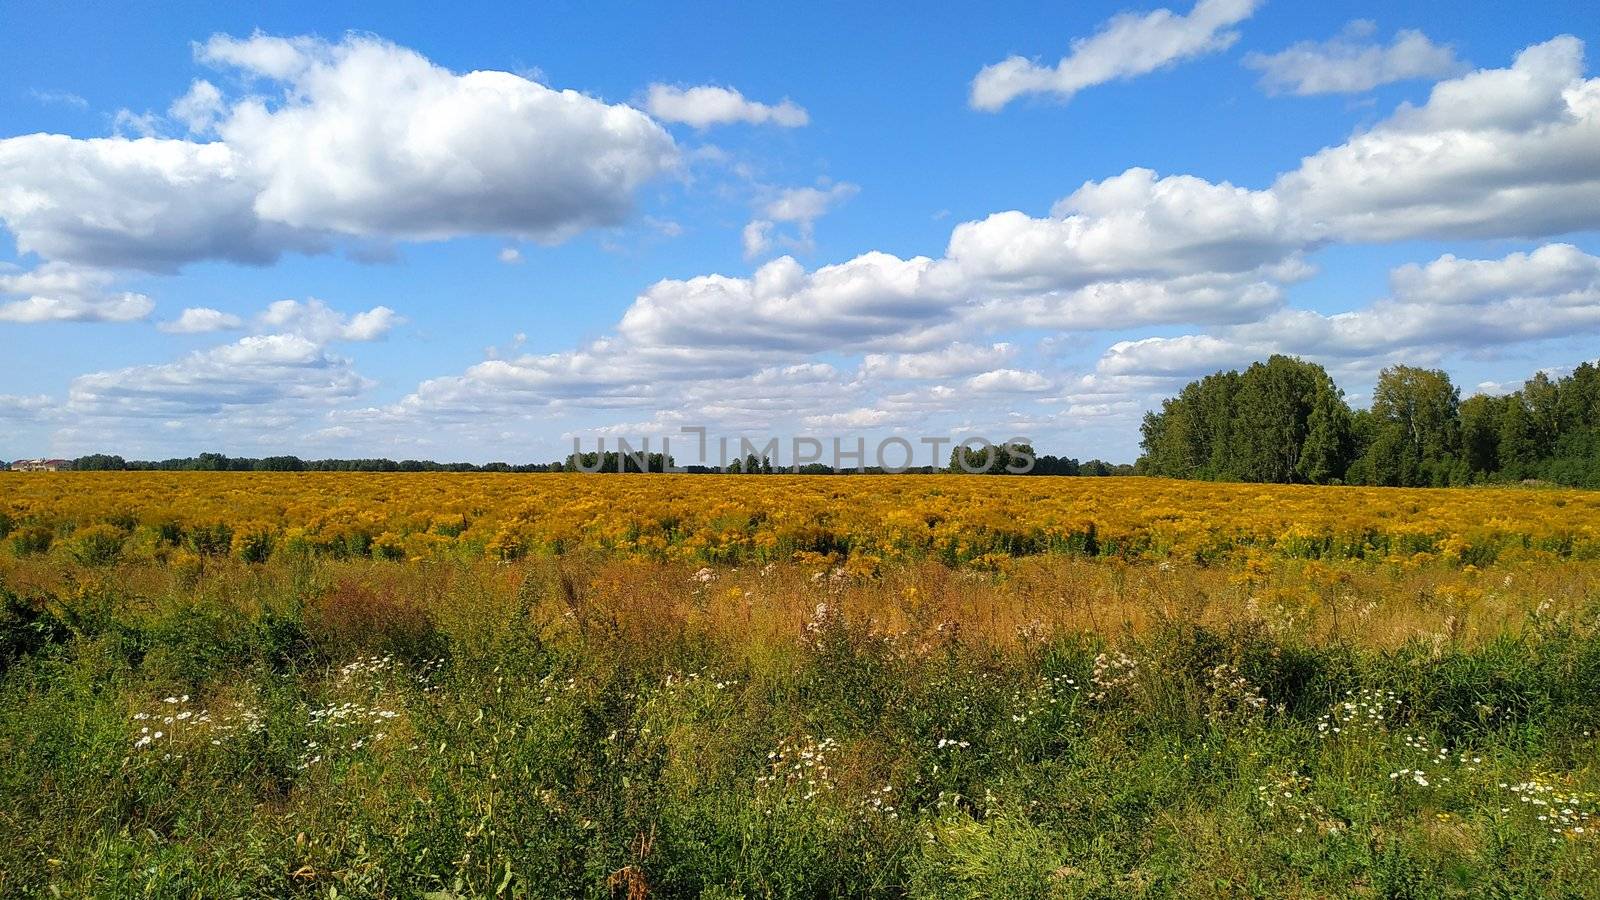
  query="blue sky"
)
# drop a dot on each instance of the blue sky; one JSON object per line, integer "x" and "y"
{"x": 1020, "y": 220}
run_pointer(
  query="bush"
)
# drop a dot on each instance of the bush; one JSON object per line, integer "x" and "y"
{"x": 195, "y": 643}
{"x": 389, "y": 546}
{"x": 214, "y": 539}
{"x": 26, "y": 627}
{"x": 31, "y": 539}
{"x": 252, "y": 543}
{"x": 97, "y": 545}
{"x": 353, "y": 618}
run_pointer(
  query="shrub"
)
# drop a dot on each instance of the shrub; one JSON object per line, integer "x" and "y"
{"x": 213, "y": 539}
{"x": 26, "y": 627}
{"x": 194, "y": 643}
{"x": 352, "y": 618}
{"x": 31, "y": 539}
{"x": 97, "y": 545}
{"x": 389, "y": 546}
{"x": 252, "y": 543}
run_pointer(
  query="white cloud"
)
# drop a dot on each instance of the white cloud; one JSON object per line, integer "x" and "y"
{"x": 1134, "y": 225}
{"x": 708, "y": 105}
{"x": 863, "y": 417}
{"x": 1137, "y": 302}
{"x": 361, "y": 139}
{"x": 756, "y": 238}
{"x": 1496, "y": 153}
{"x": 801, "y": 207}
{"x": 147, "y": 203}
{"x": 314, "y": 320}
{"x": 258, "y": 372}
{"x": 200, "y": 108}
{"x": 18, "y": 408}
{"x": 1136, "y": 249}
{"x": 126, "y": 122}
{"x": 871, "y": 298}
{"x": 956, "y": 359}
{"x": 261, "y": 391}
{"x": 1186, "y": 356}
{"x": 55, "y": 292}
{"x": 370, "y": 138}
{"x": 808, "y": 204}
{"x": 63, "y": 98}
{"x": 1349, "y": 64}
{"x": 1554, "y": 270}
{"x": 1008, "y": 381}
{"x": 267, "y": 56}
{"x": 1127, "y": 45}
{"x": 1448, "y": 305}
{"x": 201, "y": 320}
{"x": 509, "y": 255}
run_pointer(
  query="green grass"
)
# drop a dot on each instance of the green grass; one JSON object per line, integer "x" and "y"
{"x": 399, "y": 732}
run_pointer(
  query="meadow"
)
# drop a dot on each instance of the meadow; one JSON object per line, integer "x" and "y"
{"x": 450, "y": 686}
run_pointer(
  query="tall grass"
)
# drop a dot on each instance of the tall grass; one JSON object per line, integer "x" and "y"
{"x": 568, "y": 727}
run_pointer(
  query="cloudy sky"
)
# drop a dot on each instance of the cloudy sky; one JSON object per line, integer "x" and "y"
{"x": 471, "y": 232}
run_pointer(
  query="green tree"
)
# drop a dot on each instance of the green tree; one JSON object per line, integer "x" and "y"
{"x": 1425, "y": 405}
{"x": 1519, "y": 446}
{"x": 1272, "y": 420}
{"x": 1330, "y": 442}
{"x": 1480, "y": 433}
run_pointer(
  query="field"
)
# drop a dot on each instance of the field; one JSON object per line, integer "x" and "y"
{"x": 961, "y": 521}
{"x": 353, "y": 685}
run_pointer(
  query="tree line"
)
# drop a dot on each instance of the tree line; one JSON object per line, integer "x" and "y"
{"x": 217, "y": 462}
{"x": 609, "y": 461}
{"x": 1285, "y": 421}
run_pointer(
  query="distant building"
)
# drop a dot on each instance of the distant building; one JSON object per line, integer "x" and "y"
{"x": 40, "y": 465}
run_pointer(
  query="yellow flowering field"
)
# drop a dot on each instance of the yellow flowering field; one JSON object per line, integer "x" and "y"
{"x": 962, "y": 520}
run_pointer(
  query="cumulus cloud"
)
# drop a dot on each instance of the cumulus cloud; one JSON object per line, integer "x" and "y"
{"x": 861, "y": 417}
{"x": 756, "y": 238}
{"x": 956, "y": 359}
{"x": 253, "y": 392}
{"x": 1186, "y": 356}
{"x": 708, "y": 105}
{"x": 201, "y": 320}
{"x": 1133, "y": 249}
{"x": 1126, "y": 46}
{"x": 1008, "y": 381}
{"x": 316, "y": 321}
{"x": 873, "y": 297}
{"x": 800, "y": 207}
{"x": 1136, "y": 249}
{"x": 19, "y": 408}
{"x": 370, "y": 138}
{"x": 258, "y": 371}
{"x": 1136, "y": 224}
{"x": 1447, "y": 305}
{"x": 1351, "y": 64}
{"x": 356, "y": 139}
{"x": 147, "y": 203}
{"x": 56, "y": 292}
{"x": 200, "y": 108}
{"x": 1495, "y": 153}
